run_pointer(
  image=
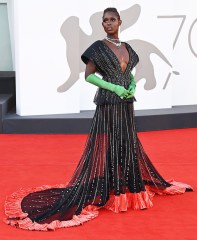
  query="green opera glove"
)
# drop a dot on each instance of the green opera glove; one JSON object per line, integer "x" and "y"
{"x": 119, "y": 90}
{"x": 132, "y": 87}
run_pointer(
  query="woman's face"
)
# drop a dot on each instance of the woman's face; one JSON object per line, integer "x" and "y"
{"x": 111, "y": 23}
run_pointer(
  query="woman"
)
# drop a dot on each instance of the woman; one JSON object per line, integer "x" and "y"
{"x": 114, "y": 171}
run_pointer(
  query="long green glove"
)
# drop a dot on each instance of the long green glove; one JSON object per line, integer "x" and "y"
{"x": 132, "y": 87}
{"x": 119, "y": 90}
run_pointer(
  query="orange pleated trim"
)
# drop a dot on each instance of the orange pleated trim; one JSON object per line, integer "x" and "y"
{"x": 16, "y": 217}
{"x": 130, "y": 200}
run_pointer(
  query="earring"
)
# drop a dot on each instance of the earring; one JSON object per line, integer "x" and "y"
{"x": 119, "y": 31}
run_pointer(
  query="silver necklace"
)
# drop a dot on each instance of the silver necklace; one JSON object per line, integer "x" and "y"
{"x": 111, "y": 41}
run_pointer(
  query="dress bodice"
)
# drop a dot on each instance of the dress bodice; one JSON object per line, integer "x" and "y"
{"x": 109, "y": 67}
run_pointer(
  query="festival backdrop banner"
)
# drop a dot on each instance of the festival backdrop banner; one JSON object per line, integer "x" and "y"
{"x": 49, "y": 37}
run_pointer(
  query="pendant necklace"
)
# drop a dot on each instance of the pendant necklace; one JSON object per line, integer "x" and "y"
{"x": 111, "y": 41}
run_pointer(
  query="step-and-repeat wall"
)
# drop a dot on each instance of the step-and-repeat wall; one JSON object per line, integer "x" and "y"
{"x": 49, "y": 36}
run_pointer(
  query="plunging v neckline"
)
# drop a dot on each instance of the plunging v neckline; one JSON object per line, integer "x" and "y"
{"x": 117, "y": 57}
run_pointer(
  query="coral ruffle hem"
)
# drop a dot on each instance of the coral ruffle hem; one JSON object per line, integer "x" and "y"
{"x": 16, "y": 217}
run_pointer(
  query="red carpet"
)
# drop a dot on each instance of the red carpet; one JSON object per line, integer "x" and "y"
{"x": 34, "y": 160}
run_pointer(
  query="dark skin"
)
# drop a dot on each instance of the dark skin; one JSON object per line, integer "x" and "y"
{"x": 111, "y": 25}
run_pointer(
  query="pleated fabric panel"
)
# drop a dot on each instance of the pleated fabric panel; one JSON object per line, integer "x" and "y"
{"x": 113, "y": 162}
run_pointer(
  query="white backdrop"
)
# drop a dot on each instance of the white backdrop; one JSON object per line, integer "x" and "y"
{"x": 42, "y": 63}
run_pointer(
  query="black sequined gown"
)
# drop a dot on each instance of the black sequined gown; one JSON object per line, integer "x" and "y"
{"x": 114, "y": 171}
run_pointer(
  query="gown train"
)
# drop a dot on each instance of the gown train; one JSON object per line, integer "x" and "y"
{"x": 114, "y": 172}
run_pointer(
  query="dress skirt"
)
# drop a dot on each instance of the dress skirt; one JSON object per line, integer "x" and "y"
{"x": 114, "y": 172}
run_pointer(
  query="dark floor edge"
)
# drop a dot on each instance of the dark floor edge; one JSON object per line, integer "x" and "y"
{"x": 79, "y": 123}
